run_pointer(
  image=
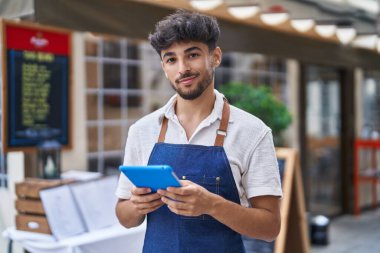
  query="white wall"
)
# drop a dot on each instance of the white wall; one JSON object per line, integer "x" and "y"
{"x": 76, "y": 159}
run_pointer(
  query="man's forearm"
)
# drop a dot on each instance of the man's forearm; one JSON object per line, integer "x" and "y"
{"x": 253, "y": 222}
{"x": 127, "y": 214}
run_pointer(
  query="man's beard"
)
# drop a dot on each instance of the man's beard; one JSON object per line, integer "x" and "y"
{"x": 202, "y": 85}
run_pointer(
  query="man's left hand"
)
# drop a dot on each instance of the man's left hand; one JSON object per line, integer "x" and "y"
{"x": 189, "y": 200}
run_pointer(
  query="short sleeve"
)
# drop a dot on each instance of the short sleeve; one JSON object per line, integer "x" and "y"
{"x": 132, "y": 156}
{"x": 262, "y": 177}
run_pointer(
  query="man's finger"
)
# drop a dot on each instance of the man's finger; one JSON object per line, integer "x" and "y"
{"x": 142, "y": 206}
{"x": 173, "y": 203}
{"x": 140, "y": 191}
{"x": 184, "y": 190}
{"x": 145, "y": 198}
{"x": 171, "y": 195}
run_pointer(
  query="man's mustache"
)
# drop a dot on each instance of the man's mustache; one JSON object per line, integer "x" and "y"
{"x": 186, "y": 75}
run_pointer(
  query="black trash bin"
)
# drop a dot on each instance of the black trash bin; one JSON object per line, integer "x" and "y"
{"x": 319, "y": 230}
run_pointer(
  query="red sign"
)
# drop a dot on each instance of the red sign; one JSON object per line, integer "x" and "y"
{"x": 33, "y": 39}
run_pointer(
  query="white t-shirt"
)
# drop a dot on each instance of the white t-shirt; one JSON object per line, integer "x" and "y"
{"x": 248, "y": 145}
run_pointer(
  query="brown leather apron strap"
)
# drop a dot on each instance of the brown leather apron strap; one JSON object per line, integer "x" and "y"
{"x": 221, "y": 133}
{"x": 164, "y": 127}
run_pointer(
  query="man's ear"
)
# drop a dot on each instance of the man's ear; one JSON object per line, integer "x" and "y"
{"x": 217, "y": 54}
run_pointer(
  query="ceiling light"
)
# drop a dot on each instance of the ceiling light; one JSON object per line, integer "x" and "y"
{"x": 243, "y": 11}
{"x": 345, "y": 34}
{"x": 302, "y": 25}
{"x": 325, "y": 30}
{"x": 368, "y": 41}
{"x": 274, "y": 18}
{"x": 205, "y": 5}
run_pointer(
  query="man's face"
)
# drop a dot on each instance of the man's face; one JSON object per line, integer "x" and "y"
{"x": 190, "y": 66}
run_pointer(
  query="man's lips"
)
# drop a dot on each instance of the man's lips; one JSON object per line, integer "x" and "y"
{"x": 187, "y": 80}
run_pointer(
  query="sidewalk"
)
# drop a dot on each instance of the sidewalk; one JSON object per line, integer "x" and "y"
{"x": 351, "y": 234}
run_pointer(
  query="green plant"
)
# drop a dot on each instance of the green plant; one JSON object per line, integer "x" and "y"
{"x": 260, "y": 102}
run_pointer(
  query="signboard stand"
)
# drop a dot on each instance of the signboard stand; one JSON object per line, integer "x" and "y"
{"x": 294, "y": 235}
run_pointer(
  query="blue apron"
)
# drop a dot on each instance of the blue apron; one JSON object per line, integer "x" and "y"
{"x": 207, "y": 166}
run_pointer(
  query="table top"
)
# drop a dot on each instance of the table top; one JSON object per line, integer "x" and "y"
{"x": 44, "y": 241}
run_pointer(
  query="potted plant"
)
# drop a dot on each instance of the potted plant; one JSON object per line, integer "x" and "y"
{"x": 259, "y": 101}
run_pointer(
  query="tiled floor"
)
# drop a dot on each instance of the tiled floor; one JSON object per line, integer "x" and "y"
{"x": 351, "y": 234}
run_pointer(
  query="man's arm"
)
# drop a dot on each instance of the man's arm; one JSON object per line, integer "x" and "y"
{"x": 127, "y": 214}
{"x": 131, "y": 212}
{"x": 263, "y": 221}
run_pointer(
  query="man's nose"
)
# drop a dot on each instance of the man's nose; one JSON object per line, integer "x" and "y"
{"x": 183, "y": 67}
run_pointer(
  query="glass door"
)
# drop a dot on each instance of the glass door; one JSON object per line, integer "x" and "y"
{"x": 322, "y": 137}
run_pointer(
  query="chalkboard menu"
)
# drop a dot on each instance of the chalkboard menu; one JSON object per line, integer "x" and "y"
{"x": 36, "y": 85}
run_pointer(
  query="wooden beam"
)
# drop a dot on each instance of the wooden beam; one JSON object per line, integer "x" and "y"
{"x": 137, "y": 19}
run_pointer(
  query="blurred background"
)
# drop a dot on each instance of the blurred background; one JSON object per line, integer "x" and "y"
{"x": 319, "y": 58}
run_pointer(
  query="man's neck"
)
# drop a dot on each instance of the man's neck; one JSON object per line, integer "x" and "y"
{"x": 197, "y": 109}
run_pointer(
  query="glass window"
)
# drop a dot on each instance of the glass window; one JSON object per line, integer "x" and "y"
{"x": 111, "y": 76}
{"x": 91, "y": 47}
{"x": 92, "y": 139}
{"x": 111, "y": 49}
{"x": 112, "y": 138}
{"x": 92, "y": 106}
{"x": 111, "y": 106}
{"x": 92, "y": 74}
{"x": 370, "y": 116}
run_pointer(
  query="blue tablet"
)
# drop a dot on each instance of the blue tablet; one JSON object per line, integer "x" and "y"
{"x": 151, "y": 176}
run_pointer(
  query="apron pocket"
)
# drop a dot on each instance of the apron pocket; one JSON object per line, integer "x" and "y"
{"x": 210, "y": 183}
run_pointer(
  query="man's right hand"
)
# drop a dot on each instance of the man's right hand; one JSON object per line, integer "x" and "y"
{"x": 144, "y": 201}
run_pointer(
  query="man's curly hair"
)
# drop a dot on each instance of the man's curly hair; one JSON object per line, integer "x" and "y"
{"x": 183, "y": 26}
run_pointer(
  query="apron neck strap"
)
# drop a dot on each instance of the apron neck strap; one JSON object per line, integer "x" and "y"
{"x": 221, "y": 133}
{"x": 164, "y": 127}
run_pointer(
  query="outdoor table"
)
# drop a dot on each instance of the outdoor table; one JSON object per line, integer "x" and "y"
{"x": 115, "y": 239}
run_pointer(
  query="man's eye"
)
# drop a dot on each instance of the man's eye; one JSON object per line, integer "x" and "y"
{"x": 170, "y": 60}
{"x": 193, "y": 55}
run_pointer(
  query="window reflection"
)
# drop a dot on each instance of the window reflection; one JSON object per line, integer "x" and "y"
{"x": 111, "y": 76}
{"x": 323, "y": 140}
{"x": 111, "y": 106}
{"x": 111, "y": 49}
{"x": 112, "y": 140}
{"x": 92, "y": 106}
{"x": 92, "y": 74}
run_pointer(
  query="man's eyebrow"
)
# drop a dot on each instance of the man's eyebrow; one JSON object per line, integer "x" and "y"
{"x": 168, "y": 54}
{"x": 192, "y": 49}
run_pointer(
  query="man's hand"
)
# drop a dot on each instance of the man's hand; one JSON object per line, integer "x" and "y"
{"x": 189, "y": 200}
{"x": 145, "y": 201}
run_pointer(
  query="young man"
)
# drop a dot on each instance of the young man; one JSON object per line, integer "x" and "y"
{"x": 225, "y": 156}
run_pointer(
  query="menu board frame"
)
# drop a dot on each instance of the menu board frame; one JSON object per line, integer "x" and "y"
{"x": 66, "y": 107}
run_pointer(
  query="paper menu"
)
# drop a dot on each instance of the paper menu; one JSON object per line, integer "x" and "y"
{"x": 62, "y": 212}
{"x": 96, "y": 201}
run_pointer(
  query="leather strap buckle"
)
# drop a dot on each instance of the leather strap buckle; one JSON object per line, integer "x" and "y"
{"x": 221, "y": 132}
